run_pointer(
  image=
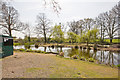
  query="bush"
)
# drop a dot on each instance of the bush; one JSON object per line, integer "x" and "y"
{"x": 16, "y": 44}
{"x": 84, "y": 47}
{"x": 118, "y": 65}
{"x": 80, "y": 47}
{"x": 91, "y": 60}
{"x": 29, "y": 50}
{"x": 106, "y": 46}
{"x": 75, "y": 57}
{"x": 61, "y": 54}
{"x": 27, "y": 46}
{"x": 21, "y": 49}
{"x": 36, "y": 46}
{"x": 82, "y": 58}
{"x": 52, "y": 46}
{"x": 38, "y": 51}
{"x": 76, "y": 47}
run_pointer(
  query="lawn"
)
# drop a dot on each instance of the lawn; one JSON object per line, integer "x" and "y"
{"x": 35, "y": 65}
{"x": 114, "y": 40}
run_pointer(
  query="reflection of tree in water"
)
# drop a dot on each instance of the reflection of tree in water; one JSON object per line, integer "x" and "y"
{"x": 49, "y": 49}
{"x": 61, "y": 49}
{"x": 111, "y": 58}
{"x": 85, "y": 54}
{"x": 73, "y": 52}
{"x": 100, "y": 56}
{"x": 105, "y": 58}
{"x": 80, "y": 53}
{"x": 44, "y": 49}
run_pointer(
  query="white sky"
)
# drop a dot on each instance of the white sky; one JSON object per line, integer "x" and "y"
{"x": 71, "y": 10}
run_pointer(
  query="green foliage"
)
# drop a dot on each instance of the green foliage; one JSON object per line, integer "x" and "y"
{"x": 36, "y": 45}
{"x": 57, "y": 34}
{"x": 27, "y": 45}
{"x": 21, "y": 49}
{"x": 72, "y": 37}
{"x": 114, "y": 40}
{"x": 30, "y": 50}
{"x": 90, "y": 36}
{"x": 91, "y": 60}
{"x": 16, "y": 44}
{"x": 118, "y": 65}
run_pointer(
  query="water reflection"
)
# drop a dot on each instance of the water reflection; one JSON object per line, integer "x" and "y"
{"x": 101, "y": 57}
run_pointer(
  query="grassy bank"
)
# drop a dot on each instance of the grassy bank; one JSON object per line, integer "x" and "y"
{"x": 59, "y": 67}
{"x": 77, "y": 68}
{"x": 114, "y": 40}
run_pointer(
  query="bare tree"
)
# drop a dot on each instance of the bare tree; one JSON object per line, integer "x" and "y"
{"x": 88, "y": 23}
{"x": 42, "y": 26}
{"x": 9, "y": 19}
{"x": 73, "y": 27}
{"x": 100, "y": 21}
{"x": 28, "y": 31}
{"x": 112, "y": 25}
{"x": 81, "y": 26}
{"x": 55, "y": 5}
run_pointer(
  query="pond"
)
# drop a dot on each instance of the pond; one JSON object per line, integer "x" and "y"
{"x": 101, "y": 57}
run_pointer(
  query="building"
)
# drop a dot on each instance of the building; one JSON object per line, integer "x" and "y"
{"x": 6, "y": 46}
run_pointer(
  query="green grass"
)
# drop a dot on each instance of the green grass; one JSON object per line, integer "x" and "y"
{"x": 30, "y": 50}
{"x": 68, "y": 68}
{"x": 33, "y": 69}
{"x": 114, "y": 40}
{"x": 17, "y": 44}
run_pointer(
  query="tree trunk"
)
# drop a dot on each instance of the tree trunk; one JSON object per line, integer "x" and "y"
{"x": 101, "y": 36}
{"x": 87, "y": 43}
{"x": 110, "y": 40}
{"x": 45, "y": 37}
{"x": 10, "y": 32}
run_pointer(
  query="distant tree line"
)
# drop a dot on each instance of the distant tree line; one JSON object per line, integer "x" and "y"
{"x": 82, "y": 31}
{"x": 105, "y": 25}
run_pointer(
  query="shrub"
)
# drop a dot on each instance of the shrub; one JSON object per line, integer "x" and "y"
{"x": 27, "y": 46}
{"x": 16, "y": 44}
{"x": 91, "y": 60}
{"x": 38, "y": 51}
{"x": 106, "y": 47}
{"x": 76, "y": 47}
{"x": 84, "y": 47}
{"x": 52, "y": 46}
{"x": 36, "y": 46}
{"x": 82, "y": 58}
{"x": 61, "y": 54}
{"x": 80, "y": 47}
{"x": 21, "y": 49}
{"x": 118, "y": 65}
{"x": 29, "y": 50}
{"x": 75, "y": 57}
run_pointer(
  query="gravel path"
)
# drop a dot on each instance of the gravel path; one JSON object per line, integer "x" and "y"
{"x": 22, "y": 65}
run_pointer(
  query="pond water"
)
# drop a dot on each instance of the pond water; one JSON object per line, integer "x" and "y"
{"x": 101, "y": 57}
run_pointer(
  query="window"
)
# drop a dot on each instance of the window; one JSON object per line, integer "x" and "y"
{"x": 8, "y": 41}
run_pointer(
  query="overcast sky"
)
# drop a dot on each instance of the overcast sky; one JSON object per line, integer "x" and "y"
{"x": 71, "y": 10}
